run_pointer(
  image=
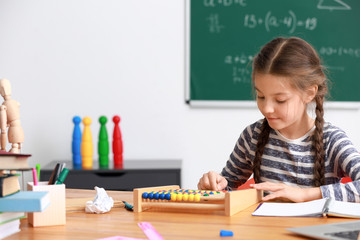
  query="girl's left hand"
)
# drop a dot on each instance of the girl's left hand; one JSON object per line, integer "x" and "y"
{"x": 286, "y": 192}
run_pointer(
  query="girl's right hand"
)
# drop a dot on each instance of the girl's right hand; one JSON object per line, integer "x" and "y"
{"x": 212, "y": 181}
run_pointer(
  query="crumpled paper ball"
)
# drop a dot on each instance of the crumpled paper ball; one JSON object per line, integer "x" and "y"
{"x": 102, "y": 202}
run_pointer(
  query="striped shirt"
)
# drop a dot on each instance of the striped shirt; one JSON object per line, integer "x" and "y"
{"x": 291, "y": 161}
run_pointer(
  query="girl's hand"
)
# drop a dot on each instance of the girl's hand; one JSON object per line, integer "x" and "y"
{"x": 212, "y": 181}
{"x": 285, "y": 192}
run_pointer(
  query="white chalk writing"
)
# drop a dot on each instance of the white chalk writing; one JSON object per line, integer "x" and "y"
{"x": 340, "y": 51}
{"x": 271, "y": 21}
{"x": 214, "y": 23}
{"x": 224, "y": 3}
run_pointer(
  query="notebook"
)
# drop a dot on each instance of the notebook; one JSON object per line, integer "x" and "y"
{"x": 345, "y": 230}
{"x": 315, "y": 208}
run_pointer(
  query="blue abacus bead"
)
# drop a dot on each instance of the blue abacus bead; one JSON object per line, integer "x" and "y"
{"x": 162, "y": 196}
{"x": 156, "y": 196}
{"x": 168, "y": 196}
{"x": 151, "y": 195}
{"x": 145, "y": 195}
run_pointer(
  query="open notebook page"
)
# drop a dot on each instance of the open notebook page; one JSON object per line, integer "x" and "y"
{"x": 311, "y": 208}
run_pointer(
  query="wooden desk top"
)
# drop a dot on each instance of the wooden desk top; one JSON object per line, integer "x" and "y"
{"x": 120, "y": 222}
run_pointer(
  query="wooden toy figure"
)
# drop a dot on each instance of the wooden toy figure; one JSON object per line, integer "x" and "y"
{"x": 87, "y": 145}
{"x": 76, "y": 143}
{"x": 10, "y": 117}
{"x": 103, "y": 144}
{"x": 117, "y": 144}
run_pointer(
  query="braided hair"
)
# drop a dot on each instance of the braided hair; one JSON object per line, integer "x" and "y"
{"x": 297, "y": 60}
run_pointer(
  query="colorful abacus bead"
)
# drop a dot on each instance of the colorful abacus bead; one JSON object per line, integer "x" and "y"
{"x": 197, "y": 197}
{"x": 173, "y": 196}
{"x": 156, "y": 196}
{"x": 191, "y": 197}
{"x": 145, "y": 195}
{"x": 151, "y": 195}
{"x": 179, "y": 197}
{"x": 168, "y": 196}
{"x": 185, "y": 197}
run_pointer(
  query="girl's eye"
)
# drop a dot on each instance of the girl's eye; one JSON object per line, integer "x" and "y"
{"x": 280, "y": 101}
{"x": 260, "y": 97}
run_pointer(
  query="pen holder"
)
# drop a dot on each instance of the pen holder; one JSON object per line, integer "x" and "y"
{"x": 55, "y": 213}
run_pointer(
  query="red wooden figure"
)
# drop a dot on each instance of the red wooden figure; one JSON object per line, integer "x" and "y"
{"x": 117, "y": 144}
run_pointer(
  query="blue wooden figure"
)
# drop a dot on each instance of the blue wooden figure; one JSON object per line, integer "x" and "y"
{"x": 76, "y": 143}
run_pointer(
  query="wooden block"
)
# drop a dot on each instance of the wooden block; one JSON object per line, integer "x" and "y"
{"x": 55, "y": 214}
{"x": 236, "y": 201}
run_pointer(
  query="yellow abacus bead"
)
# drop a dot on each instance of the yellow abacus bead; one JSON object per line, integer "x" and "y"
{"x": 173, "y": 196}
{"x": 197, "y": 197}
{"x": 179, "y": 197}
{"x": 185, "y": 197}
{"x": 191, "y": 197}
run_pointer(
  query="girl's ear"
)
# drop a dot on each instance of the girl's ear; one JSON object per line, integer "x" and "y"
{"x": 311, "y": 93}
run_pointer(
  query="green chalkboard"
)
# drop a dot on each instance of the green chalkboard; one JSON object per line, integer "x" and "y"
{"x": 224, "y": 35}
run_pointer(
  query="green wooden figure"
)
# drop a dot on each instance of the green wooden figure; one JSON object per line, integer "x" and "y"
{"x": 103, "y": 145}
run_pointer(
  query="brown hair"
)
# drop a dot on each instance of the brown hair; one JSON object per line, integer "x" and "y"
{"x": 297, "y": 60}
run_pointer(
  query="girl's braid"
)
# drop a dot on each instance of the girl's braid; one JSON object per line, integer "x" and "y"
{"x": 260, "y": 146}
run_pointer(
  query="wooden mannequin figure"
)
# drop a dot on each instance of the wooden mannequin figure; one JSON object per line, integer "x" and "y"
{"x": 10, "y": 117}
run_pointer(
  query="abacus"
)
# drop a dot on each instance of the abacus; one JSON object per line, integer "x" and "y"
{"x": 172, "y": 197}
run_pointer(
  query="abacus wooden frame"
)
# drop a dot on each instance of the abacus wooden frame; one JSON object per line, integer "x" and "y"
{"x": 232, "y": 203}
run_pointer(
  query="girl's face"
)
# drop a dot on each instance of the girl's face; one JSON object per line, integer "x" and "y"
{"x": 282, "y": 105}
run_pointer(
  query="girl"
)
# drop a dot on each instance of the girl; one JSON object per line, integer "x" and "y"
{"x": 291, "y": 155}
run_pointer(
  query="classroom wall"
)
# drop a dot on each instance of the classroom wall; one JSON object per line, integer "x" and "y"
{"x": 96, "y": 57}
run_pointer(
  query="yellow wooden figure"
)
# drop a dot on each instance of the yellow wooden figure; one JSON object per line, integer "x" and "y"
{"x": 87, "y": 145}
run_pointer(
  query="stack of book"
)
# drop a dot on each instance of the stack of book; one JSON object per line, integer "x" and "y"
{"x": 9, "y": 221}
{"x": 14, "y": 202}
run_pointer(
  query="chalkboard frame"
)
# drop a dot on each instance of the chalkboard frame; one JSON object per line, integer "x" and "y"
{"x": 230, "y": 103}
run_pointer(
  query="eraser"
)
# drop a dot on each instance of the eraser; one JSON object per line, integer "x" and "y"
{"x": 225, "y": 233}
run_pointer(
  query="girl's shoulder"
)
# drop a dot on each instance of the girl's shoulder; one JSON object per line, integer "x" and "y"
{"x": 257, "y": 124}
{"x": 254, "y": 128}
{"x": 331, "y": 131}
{"x": 328, "y": 127}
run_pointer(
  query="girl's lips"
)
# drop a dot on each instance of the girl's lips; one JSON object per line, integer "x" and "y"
{"x": 271, "y": 118}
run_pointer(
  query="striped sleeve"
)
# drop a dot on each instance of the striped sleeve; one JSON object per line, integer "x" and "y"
{"x": 238, "y": 168}
{"x": 342, "y": 160}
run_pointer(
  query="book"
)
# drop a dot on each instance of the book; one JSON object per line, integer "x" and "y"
{"x": 315, "y": 208}
{"x": 10, "y": 216}
{"x": 25, "y": 201}
{"x": 13, "y": 161}
{"x": 9, "y": 184}
{"x": 9, "y": 228}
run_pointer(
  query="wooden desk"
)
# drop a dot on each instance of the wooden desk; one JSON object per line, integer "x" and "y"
{"x": 120, "y": 222}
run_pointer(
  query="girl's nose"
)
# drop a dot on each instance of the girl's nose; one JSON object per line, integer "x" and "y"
{"x": 268, "y": 107}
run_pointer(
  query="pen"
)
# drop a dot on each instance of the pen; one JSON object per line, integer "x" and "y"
{"x": 38, "y": 171}
{"x": 62, "y": 165}
{"x": 62, "y": 176}
{"x": 128, "y": 206}
{"x": 53, "y": 176}
{"x": 35, "y": 176}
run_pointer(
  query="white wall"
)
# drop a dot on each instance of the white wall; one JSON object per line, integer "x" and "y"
{"x": 106, "y": 57}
